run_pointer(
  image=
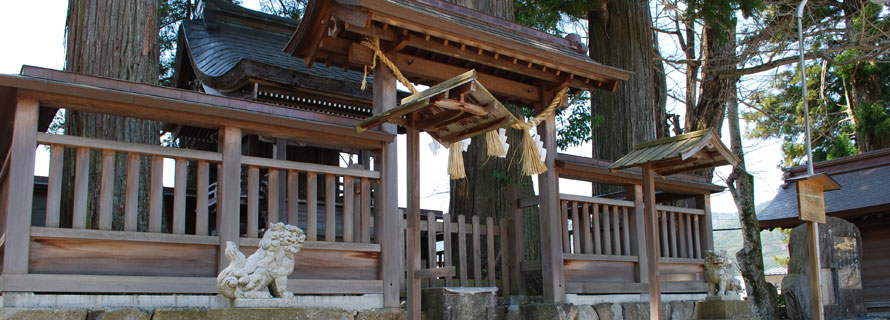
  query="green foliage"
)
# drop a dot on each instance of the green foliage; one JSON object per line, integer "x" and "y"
{"x": 575, "y": 123}
{"x": 780, "y": 114}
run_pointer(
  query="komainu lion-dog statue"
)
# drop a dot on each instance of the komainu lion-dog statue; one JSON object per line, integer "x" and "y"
{"x": 263, "y": 274}
{"x": 718, "y": 273}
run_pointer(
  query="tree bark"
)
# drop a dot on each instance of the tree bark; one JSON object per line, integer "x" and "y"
{"x": 621, "y": 36}
{"x": 761, "y": 293}
{"x": 492, "y": 183}
{"x": 115, "y": 39}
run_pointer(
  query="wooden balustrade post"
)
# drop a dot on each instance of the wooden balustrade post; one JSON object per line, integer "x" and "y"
{"x": 551, "y": 233}
{"x": 388, "y": 217}
{"x": 229, "y": 204}
{"x": 413, "y": 224}
{"x": 20, "y": 197}
{"x": 651, "y": 219}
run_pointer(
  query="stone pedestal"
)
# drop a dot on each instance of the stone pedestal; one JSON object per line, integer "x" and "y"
{"x": 724, "y": 309}
{"x": 452, "y": 303}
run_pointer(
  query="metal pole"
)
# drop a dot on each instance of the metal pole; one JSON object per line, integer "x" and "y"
{"x": 812, "y": 227}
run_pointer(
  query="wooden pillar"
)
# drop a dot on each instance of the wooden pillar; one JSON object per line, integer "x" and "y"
{"x": 703, "y": 201}
{"x": 651, "y": 218}
{"x": 551, "y": 234}
{"x": 280, "y": 152}
{"x": 638, "y": 238}
{"x": 413, "y": 223}
{"x": 387, "y": 205}
{"x": 20, "y": 181}
{"x": 229, "y": 204}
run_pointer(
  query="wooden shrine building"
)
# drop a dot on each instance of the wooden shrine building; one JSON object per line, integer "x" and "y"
{"x": 264, "y": 112}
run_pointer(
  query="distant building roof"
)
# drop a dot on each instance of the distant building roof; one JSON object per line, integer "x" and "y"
{"x": 231, "y": 45}
{"x": 865, "y": 179}
{"x": 775, "y": 271}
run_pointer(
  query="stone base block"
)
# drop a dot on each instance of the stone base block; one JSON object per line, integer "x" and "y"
{"x": 724, "y": 309}
{"x": 459, "y": 303}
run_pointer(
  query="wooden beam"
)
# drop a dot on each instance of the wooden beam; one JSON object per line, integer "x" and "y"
{"x": 387, "y": 215}
{"x": 360, "y": 55}
{"x": 442, "y": 272}
{"x": 21, "y": 186}
{"x": 229, "y": 203}
{"x": 551, "y": 242}
{"x": 413, "y": 229}
{"x": 651, "y": 231}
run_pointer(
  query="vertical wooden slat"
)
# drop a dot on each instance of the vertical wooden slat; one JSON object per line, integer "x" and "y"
{"x": 348, "y": 202}
{"x": 597, "y": 238}
{"x": 489, "y": 226}
{"x": 477, "y": 253}
{"x": 587, "y": 242}
{"x": 689, "y": 246}
{"x": 253, "y": 201}
{"x": 607, "y": 230}
{"x": 462, "y": 249}
{"x": 625, "y": 232}
{"x": 703, "y": 202}
{"x": 431, "y": 239}
{"x": 681, "y": 235}
{"x": 446, "y": 237}
{"x": 616, "y": 232}
{"x": 330, "y": 208}
{"x": 311, "y": 206}
{"x": 576, "y": 228}
{"x": 695, "y": 230}
{"x": 356, "y": 210}
{"x": 564, "y": 226}
{"x": 81, "y": 188}
{"x": 272, "y": 196}
{"x": 131, "y": 205}
{"x": 20, "y": 186}
{"x": 672, "y": 233}
{"x": 156, "y": 194}
{"x": 106, "y": 190}
{"x": 54, "y": 185}
{"x": 202, "y": 201}
{"x": 665, "y": 240}
{"x": 505, "y": 261}
{"x": 293, "y": 201}
{"x": 180, "y": 177}
{"x": 366, "y": 210}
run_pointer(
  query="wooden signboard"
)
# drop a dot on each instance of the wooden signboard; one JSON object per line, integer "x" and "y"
{"x": 811, "y": 201}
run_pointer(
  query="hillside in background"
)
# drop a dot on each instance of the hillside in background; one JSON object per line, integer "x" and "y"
{"x": 727, "y": 236}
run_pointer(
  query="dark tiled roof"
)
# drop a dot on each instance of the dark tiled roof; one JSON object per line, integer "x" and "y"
{"x": 860, "y": 189}
{"x": 226, "y": 54}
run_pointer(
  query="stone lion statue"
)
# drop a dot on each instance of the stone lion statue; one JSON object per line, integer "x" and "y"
{"x": 718, "y": 273}
{"x": 264, "y": 273}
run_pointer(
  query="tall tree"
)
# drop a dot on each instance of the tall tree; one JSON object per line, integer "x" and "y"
{"x": 115, "y": 39}
{"x": 621, "y": 36}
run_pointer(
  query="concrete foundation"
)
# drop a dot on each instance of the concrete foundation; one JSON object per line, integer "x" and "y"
{"x": 82, "y": 301}
{"x": 724, "y": 309}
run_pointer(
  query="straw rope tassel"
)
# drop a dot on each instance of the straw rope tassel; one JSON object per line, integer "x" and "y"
{"x": 531, "y": 158}
{"x": 456, "y": 161}
{"x": 495, "y": 146}
{"x": 374, "y": 44}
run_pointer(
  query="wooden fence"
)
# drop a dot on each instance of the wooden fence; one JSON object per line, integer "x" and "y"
{"x": 171, "y": 241}
{"x": 471, "y": 254}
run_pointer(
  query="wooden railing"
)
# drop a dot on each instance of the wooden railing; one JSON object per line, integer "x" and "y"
{"x": 344, "y": 211}
{"x": 134, "y": 152}
{"x": 680, "y": 232}
{"x": 481, "y": 254}
{"x": 597, "y": 226}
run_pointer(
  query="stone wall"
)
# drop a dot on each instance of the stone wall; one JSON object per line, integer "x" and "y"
{"x": 200, "y": 314}
{"x": 675, "y": 310}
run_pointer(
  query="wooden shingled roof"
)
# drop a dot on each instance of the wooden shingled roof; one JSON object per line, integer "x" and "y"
{"x": 451, "y": 111}
{"x": 687, "y": 152}
{"x": 432, "y": 41}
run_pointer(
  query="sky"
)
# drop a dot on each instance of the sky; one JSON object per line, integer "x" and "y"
{"x": 33, "y": 33}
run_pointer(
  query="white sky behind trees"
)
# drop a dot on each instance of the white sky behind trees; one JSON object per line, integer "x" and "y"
{"x": 33, "y": 34}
